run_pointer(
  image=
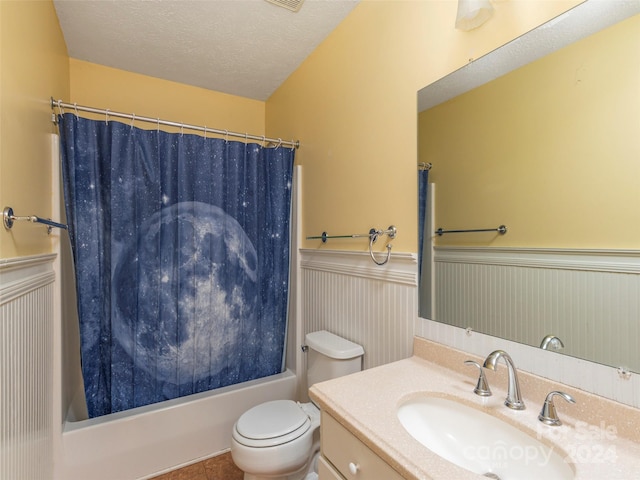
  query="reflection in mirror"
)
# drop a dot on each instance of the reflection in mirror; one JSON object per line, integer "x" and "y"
{"x": 551, "y": 150}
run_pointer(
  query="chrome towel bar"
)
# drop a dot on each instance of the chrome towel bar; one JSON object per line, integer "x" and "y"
{"x": 373, "y": 235}
{"x": 501, "y": 230}
{"x": 391, "y": 231}
{"x": 8, "y": 218}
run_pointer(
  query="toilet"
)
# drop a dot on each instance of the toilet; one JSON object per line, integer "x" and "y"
{"x": 280, "y": 440}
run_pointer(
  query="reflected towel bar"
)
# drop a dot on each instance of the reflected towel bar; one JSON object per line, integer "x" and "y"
{"x": 501, "y": 230}
{"x": 9, "y": 218}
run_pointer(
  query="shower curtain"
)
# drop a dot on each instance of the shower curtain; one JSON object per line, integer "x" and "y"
{"x": 181, "y": 251}
{"x": 423, "y": 185}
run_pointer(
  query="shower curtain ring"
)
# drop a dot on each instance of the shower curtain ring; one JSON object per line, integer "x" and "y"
{"x": 133, "y": 119}
{"x": 205, "y": 132}
{"x": 226, "y": 136}
{"x": 75, "y": 107}
{"x": 182, "y": 130}
{"x": 106, "y": 116}
{"x": 158, "y": 124}
{"x": 279, "y": 143}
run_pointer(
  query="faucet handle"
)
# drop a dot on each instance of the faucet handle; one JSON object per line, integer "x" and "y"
{"x": 482, "y": 387}
{"x": 548, "y": 414}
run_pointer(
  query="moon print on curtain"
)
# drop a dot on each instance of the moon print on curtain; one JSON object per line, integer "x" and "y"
{"x": 181, "y": 251}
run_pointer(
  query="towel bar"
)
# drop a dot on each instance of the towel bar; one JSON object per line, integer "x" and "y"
{"x": 9, "y": 218}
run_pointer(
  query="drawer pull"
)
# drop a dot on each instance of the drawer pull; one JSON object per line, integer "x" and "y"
{"x": 353, "y": 468}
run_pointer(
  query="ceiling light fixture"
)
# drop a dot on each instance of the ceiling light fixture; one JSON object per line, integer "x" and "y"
{"x": 472, "y": 14}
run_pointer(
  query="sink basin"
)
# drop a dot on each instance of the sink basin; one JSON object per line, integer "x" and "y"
{"x": 480, "y": 442}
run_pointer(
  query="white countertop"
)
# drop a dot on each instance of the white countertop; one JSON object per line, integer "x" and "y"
{"x": 597, "y": 445}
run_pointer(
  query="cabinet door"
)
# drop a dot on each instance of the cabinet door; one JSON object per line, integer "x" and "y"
{"x": 352, "y": 458}
{"x": 326, "y": 471}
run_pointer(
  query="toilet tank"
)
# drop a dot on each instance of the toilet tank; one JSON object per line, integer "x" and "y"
{"x": 330, "y": 356}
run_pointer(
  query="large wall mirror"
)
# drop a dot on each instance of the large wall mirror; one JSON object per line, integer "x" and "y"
{"x": 543, "y": 136}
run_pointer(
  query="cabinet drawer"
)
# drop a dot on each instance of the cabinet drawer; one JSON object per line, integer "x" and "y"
{"x": 349, "y": 455}
{"x": 326, "y": 471}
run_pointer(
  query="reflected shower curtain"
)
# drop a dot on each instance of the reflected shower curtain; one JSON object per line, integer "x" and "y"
{"x": 423, "y": 185}
{"x": 181, "y": 251}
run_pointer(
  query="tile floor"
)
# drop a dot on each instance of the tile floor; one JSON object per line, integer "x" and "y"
{"x": 220, "y": 467}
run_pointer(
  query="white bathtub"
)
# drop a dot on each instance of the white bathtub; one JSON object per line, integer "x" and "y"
{"x": 146, "y": 441}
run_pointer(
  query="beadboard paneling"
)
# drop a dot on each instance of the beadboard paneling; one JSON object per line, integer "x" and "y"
{"x": 589, "y": 299}
{"x": 26, "y": 375}
{"x": 374, "y": 306}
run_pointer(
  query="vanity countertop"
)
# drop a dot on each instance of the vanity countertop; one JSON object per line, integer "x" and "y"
{"x": 601, "y": 438}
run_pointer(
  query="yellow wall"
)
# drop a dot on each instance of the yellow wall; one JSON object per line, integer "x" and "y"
{"x": 104, "y": 87}
{"x": 33, "y": 67}
{"x": 551, "y": 150}
{"x": 352, "y": 104}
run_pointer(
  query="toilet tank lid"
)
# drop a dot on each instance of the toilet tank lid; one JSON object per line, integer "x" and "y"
{"x": 333, "y": 346}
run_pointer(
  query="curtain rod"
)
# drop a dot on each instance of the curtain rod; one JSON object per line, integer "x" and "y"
{"x": 108, "y": 113}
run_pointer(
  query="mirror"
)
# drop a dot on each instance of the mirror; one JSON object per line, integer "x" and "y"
{"x": 543, "y": 136}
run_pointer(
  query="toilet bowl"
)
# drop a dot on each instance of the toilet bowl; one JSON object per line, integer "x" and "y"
{"x": 276, "y": 440}
{"x": 280, "y": 439}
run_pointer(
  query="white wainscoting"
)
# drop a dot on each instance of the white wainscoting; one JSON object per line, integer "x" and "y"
{"x": 589, "y": 299}
{"x": 345, "y": 293}
{"x": 375, "y": 306}
{"x": 26, "y": 367}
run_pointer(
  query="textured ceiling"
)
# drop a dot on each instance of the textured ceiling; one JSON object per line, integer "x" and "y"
{"x": 240, "y": 47}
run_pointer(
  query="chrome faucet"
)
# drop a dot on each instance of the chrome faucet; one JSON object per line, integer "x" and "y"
{"x": 514, "y": 398}
{"x": 548, "y": 414}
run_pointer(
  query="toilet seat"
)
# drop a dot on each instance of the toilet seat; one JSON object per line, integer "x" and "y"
{"x": 270, "y": 424}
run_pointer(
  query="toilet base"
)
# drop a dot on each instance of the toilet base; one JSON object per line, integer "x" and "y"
{"x": 305, "y": 476}
{"x": 308, "y": 472}
{"x": 300, "y": 476}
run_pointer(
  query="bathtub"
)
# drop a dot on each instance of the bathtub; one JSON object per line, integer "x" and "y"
{"x": 146, "y": 441}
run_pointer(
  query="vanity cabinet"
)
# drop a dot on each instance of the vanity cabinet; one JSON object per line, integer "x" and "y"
{"x": 346, "y": 457}
{"x": 326, "y": 470}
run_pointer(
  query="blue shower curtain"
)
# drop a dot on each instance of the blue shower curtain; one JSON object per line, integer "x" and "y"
{"x": 181, "y": 251}
{"x": 423, "y": 186}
